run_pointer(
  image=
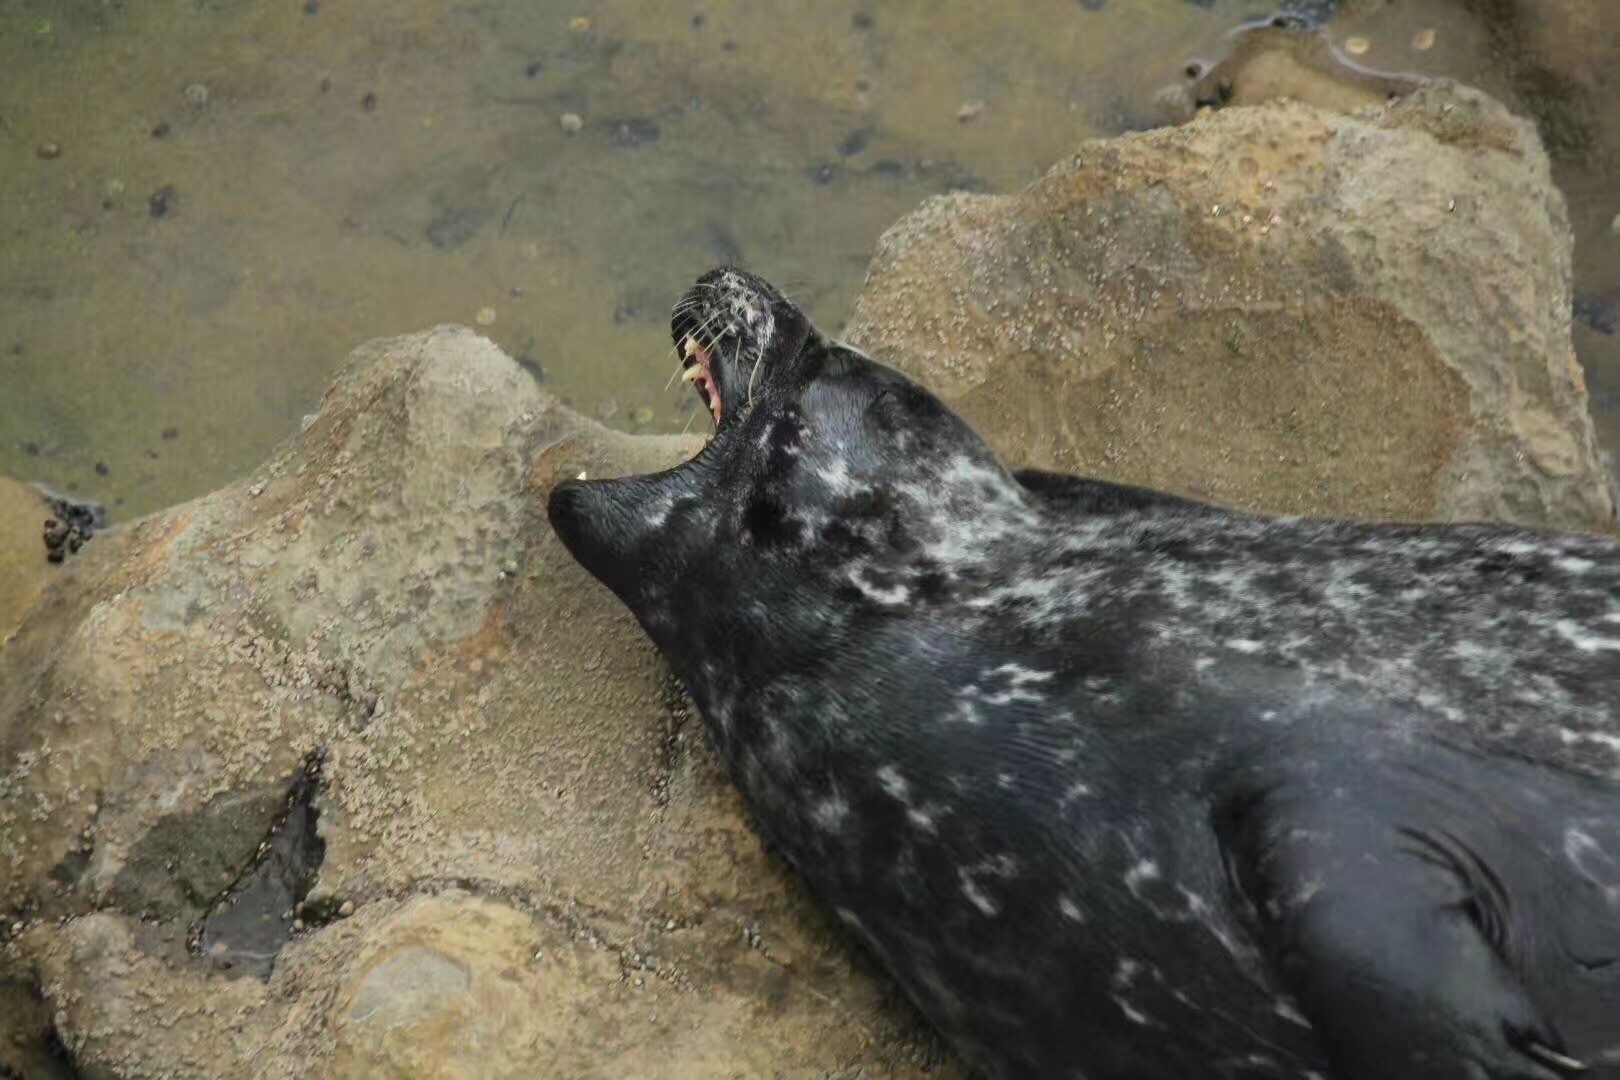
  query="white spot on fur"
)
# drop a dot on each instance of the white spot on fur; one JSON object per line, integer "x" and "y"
{"x": 829, "y": 813}
{"x": 1069, "y": 910}
{"x": 976, "y": 896}
{"x": 1578, "y": 636}
{"x": 894, "y": 785}
{"x": 1144, "y": 871}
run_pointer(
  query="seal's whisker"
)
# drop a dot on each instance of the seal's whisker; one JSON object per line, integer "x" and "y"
{"x": 680, "y": 359}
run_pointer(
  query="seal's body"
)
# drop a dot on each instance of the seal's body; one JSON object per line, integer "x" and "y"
{"x": 1118, "y": 784}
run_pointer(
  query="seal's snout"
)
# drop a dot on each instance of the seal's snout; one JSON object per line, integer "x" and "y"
{"x": 587, "y": 517}
{"x": 728, "y": 331}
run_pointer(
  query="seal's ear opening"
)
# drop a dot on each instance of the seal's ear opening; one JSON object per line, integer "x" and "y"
{"x": 596, "y": 522}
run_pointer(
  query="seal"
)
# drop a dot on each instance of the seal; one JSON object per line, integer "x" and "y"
{"x": 1118, "y": 784}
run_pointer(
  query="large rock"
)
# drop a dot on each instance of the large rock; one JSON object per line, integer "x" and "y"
{"x": 524, "y": 861}
{"x": 1280, "y": 308}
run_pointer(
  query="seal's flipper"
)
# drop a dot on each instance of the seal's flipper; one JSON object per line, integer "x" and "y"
{"x": 1390, "y": 937}
{"x": 1080, "y": 494}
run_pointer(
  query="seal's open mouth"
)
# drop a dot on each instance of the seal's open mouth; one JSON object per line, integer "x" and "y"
{"x": 696, "y": 369}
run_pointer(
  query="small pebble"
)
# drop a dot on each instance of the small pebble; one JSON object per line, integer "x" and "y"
{"x": 532, "y": 68}
{"x": 969, "y": 111}
{"x": 163, "y": 201}
{"x": 345, "y": 909}
{"x": 368, "y": 102}
{"x": 1614, "y": 226}
{"x": 1423, "y": 40}
{"x": 171, "y": 433}
{"x": 571, "y": 123}
{"x": 311, "y": 6}
{"x": 196, "y": 95}
{"x": 48, "y": 151}
{"x": 1356, "y": 46}
{"x": 222, "y": 907}
{"x": 256, "y": 490}
{"x": 101, "y": 468}
{"x": 298, "y": 924}
{"x": 160, "y": 130}
{"x": 579, "y": 24}
{"x": 581, "y": 476}
{"x": 485, "y": 316}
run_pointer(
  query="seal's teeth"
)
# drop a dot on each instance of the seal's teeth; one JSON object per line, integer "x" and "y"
{"x": 690, "y": 346}
{"x": 693, "y": 373}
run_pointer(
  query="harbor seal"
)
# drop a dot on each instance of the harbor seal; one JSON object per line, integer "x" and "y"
{"x": 1119, "y": 784}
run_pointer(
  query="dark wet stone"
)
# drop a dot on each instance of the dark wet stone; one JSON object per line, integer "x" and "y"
{"x": 824, "y": 174}
{"x": 73, "y": 522}
{"x": 311, "y": 6}
{"x": 244, "y": 931}
{"x": 633, "y": 133}
{"x": 164, "y": 201}
{"x": 72, "y": 867}
{"x": 533, "y": 68}
{"x": 1093, "y": 5}
{"x": 861, "y": 21}
{"x": 699, "y": 20}
{"x": 368, "y": 102}
{"x": 1206, "y": 4}
{"x": 887, "y": 169}
{"x": 171, "y": 433}
{"x": 530, "y": 363}
{"x": 1598, "y": 312}
{"x": 151, "y": 455}
{"x": 325, "y": 84}
{"x": 728, "y": 45}
{"x": 455, "y": 225}
{"x": 31, "y": 449}
{"x": 161, "y": 130}
{"x": 101, "y": 468}
{"x": 855, "y": 142}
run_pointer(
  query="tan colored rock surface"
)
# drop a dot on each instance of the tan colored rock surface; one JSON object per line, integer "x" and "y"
{"x": 549, "y": 874}
{"x": 1278, "y": 308}
{"x": 23, "y": 569}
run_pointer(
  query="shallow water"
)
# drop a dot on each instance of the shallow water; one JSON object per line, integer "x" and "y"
{"x": 205, "y": 204}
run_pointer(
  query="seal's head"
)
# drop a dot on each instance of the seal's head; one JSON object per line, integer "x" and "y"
{"x": 820, "y": 457}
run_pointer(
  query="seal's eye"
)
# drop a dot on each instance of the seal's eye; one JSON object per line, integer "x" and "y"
{"x": 695, "y": 369}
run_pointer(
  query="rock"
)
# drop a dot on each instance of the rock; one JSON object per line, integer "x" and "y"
{"x": 23, "y": 567}
{"x": 518, "y": 816}
{"x": 1279, "y": 308}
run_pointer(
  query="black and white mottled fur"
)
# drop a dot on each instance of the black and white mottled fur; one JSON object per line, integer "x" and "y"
{"x": 1118, "y": 784}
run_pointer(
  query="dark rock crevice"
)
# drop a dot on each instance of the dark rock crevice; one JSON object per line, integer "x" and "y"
{"x": 260, "y": 910}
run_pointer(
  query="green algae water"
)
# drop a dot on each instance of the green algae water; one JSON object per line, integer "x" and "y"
{"x": 205, "y": 204}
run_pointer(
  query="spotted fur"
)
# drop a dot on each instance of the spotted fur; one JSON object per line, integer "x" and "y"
{"x": 1117, "y": 784}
